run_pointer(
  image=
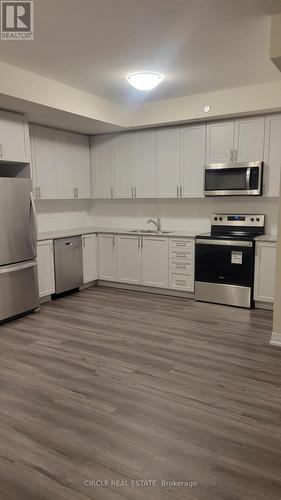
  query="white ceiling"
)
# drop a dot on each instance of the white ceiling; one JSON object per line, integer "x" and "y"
{"x": 199, "y": 45}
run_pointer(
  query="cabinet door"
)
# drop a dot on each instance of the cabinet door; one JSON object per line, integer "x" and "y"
{"x": 265, "y": 271}
{"x": 272, "y": 157}
{"x": 107, "y": 257}
{"x": 90, "y": 257}
{"x": 124, "y": 166}
{"x": 220, "y": 139}
{"x": 45, "y": 265}
{"x": 129, "y": 259}
{"x": 65, "y": 175}
{"x": 168, "y": 163}
{"x": 155, "y": 261}
{"x": 193, "y": 161}
{"x": 102, "y": 166}
{"x": 249, "y": 139}
{"x": 80, "y": 163}
{"x": 43, "y": 167}
{"x": 14, "y": 137}
{"x": 145, "y": 164}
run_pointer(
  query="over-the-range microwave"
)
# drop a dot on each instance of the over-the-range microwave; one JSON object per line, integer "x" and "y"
{"x": 233, "y": 179}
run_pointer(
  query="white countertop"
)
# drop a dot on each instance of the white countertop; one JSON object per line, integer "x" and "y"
{"x": 65, "y": 233}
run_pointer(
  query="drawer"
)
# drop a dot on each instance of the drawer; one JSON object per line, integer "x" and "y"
{"x": 181, "y": 254}
{"x": 185, "y": 267}
{"x": 180, "y": 243}
{"x": 180, "y": 281}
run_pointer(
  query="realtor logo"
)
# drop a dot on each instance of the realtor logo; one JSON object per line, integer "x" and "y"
{"x": 17, "y": 20}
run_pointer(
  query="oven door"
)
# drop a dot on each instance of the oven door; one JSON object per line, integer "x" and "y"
{"x": 224, "y": 271}
{"x": 233, "y": 179}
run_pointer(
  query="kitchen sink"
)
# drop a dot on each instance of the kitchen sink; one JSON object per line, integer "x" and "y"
{"x": 148, "y": 231}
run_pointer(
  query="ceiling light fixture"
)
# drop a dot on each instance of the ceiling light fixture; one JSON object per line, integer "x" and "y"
{"x": 145, "y": 81}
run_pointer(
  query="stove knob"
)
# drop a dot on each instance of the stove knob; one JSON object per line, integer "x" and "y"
{"x": 257, "y": 219}
{"x": 215, "y": 218}
{"x": 252, "y": 219}
{"x": 220, "y": 218}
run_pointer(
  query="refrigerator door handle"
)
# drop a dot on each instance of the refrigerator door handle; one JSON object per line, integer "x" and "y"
{"x": 35, "y": 228}
{"x": 17, "y": 267}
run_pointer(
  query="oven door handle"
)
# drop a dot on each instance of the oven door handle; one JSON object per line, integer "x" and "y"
{"x": 232, "y": 243}
{"x": 248, "y": 178}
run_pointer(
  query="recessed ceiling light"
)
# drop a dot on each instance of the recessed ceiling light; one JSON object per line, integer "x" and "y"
{"x": 207, "y": 108}
{"x": 145, "y": 81}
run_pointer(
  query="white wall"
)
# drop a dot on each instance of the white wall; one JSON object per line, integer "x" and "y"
{"x": 186, "y": 215}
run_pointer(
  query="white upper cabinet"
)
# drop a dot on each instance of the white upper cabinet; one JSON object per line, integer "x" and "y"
{"x": 102, "y": 166}
{"x": 193, "y": 145}
{"x": 220, "y": 139}
{"x": 123, "y": 161}
{"x": 43, "y": 165}
{"x": 80, "y": 165}
{"x": 168, "y": 163}
{"x": 90, "y": 257}
{"x": 64, "y": 168}
{"x": 249, "y": 139}
{"x": 129, "y": 259}
{"x": 14, "y": 137}
{"x": 272, "y": 157}
{"x": 145, "y": 164}
{"x": 155, "y": 261}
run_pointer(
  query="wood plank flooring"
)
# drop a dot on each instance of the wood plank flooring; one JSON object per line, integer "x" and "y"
{"x": 117, "y": 385}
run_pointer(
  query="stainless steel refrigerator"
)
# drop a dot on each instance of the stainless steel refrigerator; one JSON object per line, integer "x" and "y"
{"x": 18, "y": 243}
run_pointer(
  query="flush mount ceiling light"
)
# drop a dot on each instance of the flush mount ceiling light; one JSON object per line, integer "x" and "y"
{"x": 145, "y": 81}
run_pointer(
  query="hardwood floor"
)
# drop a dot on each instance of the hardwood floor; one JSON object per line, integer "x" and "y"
{"x": 117, "y": 385}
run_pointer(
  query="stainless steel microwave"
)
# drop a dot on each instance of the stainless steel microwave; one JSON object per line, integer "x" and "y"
{"x": 234, "y": 179}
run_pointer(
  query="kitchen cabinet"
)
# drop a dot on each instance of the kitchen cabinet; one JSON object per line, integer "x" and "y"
{"x": 193, "y": 145}
{"x": 145, "y": 164}
{"x": 123, "y": 161}
{"x": 14, "y": 138}
{"x": 43, "y": 164}
{"x": 181, "y": 264}
{"x": 272, "y": 157}
{"x": 168, "y": 163}
{"x": 107, "y": 257}
{"x": 220, "y": 140}
{"x": 80, "y": 165}
{"x": 129, "y": 259}
{"x": 45, "y": 266}
{"x": 63, "y": 165}
{"x": 90, "y": 257}
{"x": 238, "y": 140}
{"x": 102, "y": 166}
{"x": 249, "y": 139}
{"x": 155, "y": 261}
{"x": 265, "y": 271}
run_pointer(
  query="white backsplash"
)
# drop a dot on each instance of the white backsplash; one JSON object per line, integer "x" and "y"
{"x": 182, "y": 215}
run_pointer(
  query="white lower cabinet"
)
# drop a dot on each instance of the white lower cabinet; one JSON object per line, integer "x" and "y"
{"x": 45, "y": 264}
{"x": 129, "y": 259}
{"x": 90, "y": 257}
{"x": 107, "y": 257}
{"x": 265, "y": 271}
{"x": 181, "y": 264}
{"x": 155, "y": 261}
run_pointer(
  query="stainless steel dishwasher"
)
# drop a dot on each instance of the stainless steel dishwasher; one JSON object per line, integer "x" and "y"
{"x": 68, "y": 263}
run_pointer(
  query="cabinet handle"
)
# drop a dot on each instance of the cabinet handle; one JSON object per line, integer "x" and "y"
{"x": 111, "y": 192}
{"x": 177, "y": 191}
{"x": 83, "y": 241}
{"x": 138, "y": 242}
{"x": 113, "y": 240}
{"x": 77, "y": 192}
{"x": 181, "y": 191}
{"x": 236, "y": 154}
{"x": 1, "y": 151}
{"x": 39, "y": 192}
{"x": 231, "y": 155}
{"x": 132, "y": 192}
{"x": 141, "y": 238}
{"x": 135, "y": 190}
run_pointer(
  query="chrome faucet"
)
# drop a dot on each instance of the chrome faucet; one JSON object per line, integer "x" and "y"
{"x": 156, "y": 221}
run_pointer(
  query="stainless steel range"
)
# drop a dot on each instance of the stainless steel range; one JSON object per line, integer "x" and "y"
{"x": 224, "y": 259}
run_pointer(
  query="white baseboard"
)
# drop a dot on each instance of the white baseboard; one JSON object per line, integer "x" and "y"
{"x": 276, "y": 339}
{"x": 146, "y": 289}
{"x": 263, "y": 305}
